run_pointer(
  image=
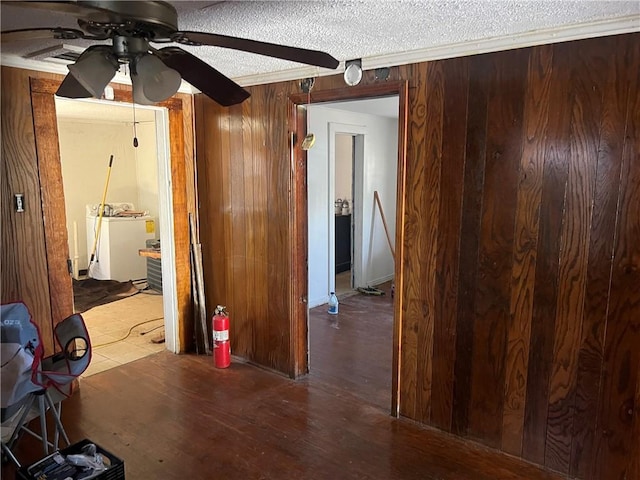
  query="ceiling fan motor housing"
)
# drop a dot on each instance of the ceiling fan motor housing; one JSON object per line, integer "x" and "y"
{"x": 129, "y": 48}
{"x": 154, "y": 20}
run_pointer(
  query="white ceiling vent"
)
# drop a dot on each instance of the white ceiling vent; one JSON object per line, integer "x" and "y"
{"x": 63, "y": 54}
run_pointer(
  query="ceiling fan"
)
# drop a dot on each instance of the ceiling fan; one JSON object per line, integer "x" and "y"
{"x": 132, "y": 26}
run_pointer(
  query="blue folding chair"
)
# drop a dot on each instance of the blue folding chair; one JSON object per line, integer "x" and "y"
{"x": 33, "y": 385}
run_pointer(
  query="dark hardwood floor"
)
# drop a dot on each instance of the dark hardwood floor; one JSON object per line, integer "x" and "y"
{"x": 353, "y": 350}
{"x": 177, "y": 417}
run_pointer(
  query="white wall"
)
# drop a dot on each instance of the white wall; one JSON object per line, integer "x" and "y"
{"x": 379, "y": 173}
{"x": 85, "y": 149}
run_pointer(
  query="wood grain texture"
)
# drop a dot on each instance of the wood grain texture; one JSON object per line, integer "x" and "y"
{"x": 261, "y": 191}
{"x": 53, "y": 206}
{"x": 181, "y": 237}
{"x": 272, "y": 429}
{"x": 633, "y": 464}
{"x": 429, "y": 206}
{"x": 278, "y": 178}
{"x": 187, "y": 327}
{"x": 210, "y": 197}
{"x": 455, "y": 96}
{"x": 536, "y": 114}
{"x": 503, "y": 152}
{"x": 24, "y": 262}
{"x": 587, "y": 90}
{"x": 552, "y": 209}
{"x": 621, "y": 354}
{"x": 299, "y": 347}
{"x": 412, "y": 312}
{"x": 601, "y": 242}
{"x": 475, "y": 151}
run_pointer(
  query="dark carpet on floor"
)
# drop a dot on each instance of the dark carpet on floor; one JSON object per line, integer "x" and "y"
{"x": 89, "y": 293}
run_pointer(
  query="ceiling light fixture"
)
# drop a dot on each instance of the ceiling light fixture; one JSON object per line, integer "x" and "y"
{"x": 353, "y": 72}
{"x": 153, "y": 81}
{"x": 94, "y": 69}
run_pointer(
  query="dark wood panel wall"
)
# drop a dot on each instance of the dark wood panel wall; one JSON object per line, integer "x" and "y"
{"x": 521, "y": 287}
{"x": 243, "y": 182}
{"x": 522, "y": 298}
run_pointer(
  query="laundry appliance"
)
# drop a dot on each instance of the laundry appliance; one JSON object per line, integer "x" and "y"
{"x": 118, "y": 242}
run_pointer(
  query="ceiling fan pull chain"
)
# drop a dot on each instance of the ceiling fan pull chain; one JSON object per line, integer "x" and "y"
{"x": 135, "y": 130}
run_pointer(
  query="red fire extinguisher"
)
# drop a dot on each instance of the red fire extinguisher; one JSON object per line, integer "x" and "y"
{"x": 221, "y": 345}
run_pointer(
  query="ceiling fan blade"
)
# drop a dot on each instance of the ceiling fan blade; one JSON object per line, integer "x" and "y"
{"x": 71, "y": 88}
{"x": 76, "y": 8}
{"x": 41, "y": 34}
{"x": 294, "y": 54}
{"x": 205, "y": 78}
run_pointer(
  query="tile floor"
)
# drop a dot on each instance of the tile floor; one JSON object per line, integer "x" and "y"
{"x": 109, "y": 324}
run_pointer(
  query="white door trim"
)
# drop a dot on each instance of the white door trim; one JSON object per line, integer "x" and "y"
{"x": 356, "y": 208}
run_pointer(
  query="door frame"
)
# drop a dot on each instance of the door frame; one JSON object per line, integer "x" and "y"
{"x": 55, "y": 231}
{"x": 299, "y": 222}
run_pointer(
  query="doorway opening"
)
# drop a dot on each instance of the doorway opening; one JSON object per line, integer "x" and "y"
{"x": 344, "y": 152}
{"x": 355, "y": 155}
{"x": 115, "y": 253}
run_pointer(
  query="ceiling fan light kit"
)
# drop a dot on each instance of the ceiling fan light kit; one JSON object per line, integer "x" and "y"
{"x": 94, "y": 69}
{"x": 132, "y": 26}
{"x": 153, "y": 81}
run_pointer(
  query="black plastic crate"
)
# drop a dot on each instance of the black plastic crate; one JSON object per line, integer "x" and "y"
{"x": 114, "y": 472}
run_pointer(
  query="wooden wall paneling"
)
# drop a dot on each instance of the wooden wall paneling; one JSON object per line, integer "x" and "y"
{"x": 633, "y": 470}
{"x": 239, "y": 272}
{"x": 622, "y": 337}
{"x": 509, "y": 350}
{"x": 209, "y": 165}
{"x": 11, "y": 144}
{"x": 552, "y": 210}
{"x": 249, "y": 228}
{"x": 454, "y": 126}
{"x": 413, "y": 311}
{"x": 536, "y": 112}
{"x": 601, "y": 242}
{"x": 492, "y": 304}
{"x": 429, "y": 209}
{"x": 24, "y": 266}
{"x": 223, "y": 232}
{"x": 299, "y": 348}
{"x": 8, "y": 240}
{"x": 260, "y": 206}
{"x": 278, "y": 232}
{"x": 474, "y": 167}
{"x": 587, "y": 87}
{"x": 53, "y": 206}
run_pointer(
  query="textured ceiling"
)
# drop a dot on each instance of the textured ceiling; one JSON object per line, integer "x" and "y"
{"x": 346, "y": 30}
